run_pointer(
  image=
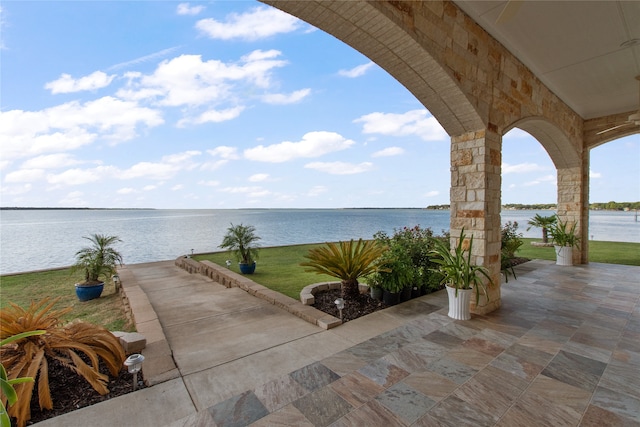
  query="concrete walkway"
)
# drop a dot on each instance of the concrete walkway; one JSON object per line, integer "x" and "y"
{"x": 563, "y": 350}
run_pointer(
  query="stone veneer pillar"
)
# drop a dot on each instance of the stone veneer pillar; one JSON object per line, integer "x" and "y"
{"x": 476, "y": 163}
{"x": 573, "y": 204}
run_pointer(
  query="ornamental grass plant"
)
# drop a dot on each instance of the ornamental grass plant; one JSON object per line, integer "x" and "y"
{"x": 78, "y": 346}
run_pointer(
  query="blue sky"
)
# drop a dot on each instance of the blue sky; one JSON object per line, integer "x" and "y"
{"x": 229, "y": 104}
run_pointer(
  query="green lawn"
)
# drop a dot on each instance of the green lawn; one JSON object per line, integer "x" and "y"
{"x": 105, "y": 311}
{"x": 606, "y": 252}
{"x": 278, "y": 269}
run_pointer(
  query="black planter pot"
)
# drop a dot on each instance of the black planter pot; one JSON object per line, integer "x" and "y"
{"x": 376, "y": 293}
{"x": 390, "y": 298}
{"x": 405, "y": 294}
{"x": 247, "y": 268}
{"x": 416, "y": 292}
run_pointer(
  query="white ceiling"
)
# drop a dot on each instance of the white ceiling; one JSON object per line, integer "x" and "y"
{"x": 575, "y": 47}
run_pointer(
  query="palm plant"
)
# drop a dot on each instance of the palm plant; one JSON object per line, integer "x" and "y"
{"x": 456, "y": 268}
{"x": 543, "y": 222}
{"x": 563, "y": 235}
{"x": 240, "y": 240}
{"x": 346, "y": 261}
{"x": 7, "y": 385}
{"x": 72, "y": 345}
{"x": 99, "y": 259}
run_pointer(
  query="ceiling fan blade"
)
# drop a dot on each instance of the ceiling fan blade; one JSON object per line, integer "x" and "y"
{"x": 509, "y": 11}
{"x": 613, "y": 128}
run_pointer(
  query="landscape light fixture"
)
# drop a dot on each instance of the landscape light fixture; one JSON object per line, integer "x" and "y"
{"x": 116, "y": 281}
{"x": 134, "y": 364}
{"x": 339, "y": 305}
{"x": 228, "y": 262}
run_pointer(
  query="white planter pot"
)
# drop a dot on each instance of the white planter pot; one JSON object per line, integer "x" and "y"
{"x": 564, "y": 255}
{"x": 459, "y": 306}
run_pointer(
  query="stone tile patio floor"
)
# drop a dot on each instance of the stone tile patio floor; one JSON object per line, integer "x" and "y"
{"x": 563, "y": 350}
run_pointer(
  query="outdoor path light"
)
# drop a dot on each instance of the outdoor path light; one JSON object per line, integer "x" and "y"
{"x": 116, "y": 281}
{"x": 134, "y": 364}
{"x": 340, "y": 305}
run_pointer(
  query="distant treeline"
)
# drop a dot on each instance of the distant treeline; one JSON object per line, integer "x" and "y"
{"x": 612, "y": 206}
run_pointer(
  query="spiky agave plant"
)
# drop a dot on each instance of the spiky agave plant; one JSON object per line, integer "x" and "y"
{"x": 346, "y": 261}
{"x": 68, "y": 344}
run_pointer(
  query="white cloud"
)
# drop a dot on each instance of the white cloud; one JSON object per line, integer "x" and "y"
{"x": 209, "y": 88}
{"x": 412, "y": 123}
{"x": 388, "y": 152}
{"x": 520, "y": 168}
{"x": 209, "y": 183}
{"x": 24, "y": 175}
{"x": 214, "y": 116}
{"x": 259, "y": 177}
{"x": 283, "y": 99}
{"x": 50, "y": 161}
{"x": 67, "y": 84}
{"x": 258, "y": 23}
{"x": 340, "y": 168}
{"x": 313, "y": 144}
{"x": 593, "y": 174}
{"x": 126, "y": 190}
{"x": 187, "y": 9}
{"x": 168, "y": 167}
{"x": 72, "y": 125}
{"x": 544, "y": 179}
{"x": 433, "y": 193}
{"x": 241, "y": 190}
{"x": 15, "y": 190}
{"x": 72, "y": 177}
{"x": 358, "y": 71}
{"x": 211, "y": 166}
{"x": 177, "y": 187}
{"x": 149, "y": 187}
{"x": 225, "y": 152}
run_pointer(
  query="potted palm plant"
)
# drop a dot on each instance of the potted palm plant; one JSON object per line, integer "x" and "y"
{"x": 96, "y": 261}
{"x": 543, "y": 222}
{"x": 462, "y": 279}
{"x": 241, "y": 240}
{"x": 564, "y": 239}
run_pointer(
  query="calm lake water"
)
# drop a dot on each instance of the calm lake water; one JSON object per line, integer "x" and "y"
{"x": 41, "y": 239}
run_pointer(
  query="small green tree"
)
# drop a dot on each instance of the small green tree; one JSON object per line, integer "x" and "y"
{"x": 346, "y": 261}
{"x": 98, "y": 260}
{"x": 241, "y": 241}
{"x": 544, "y": 222}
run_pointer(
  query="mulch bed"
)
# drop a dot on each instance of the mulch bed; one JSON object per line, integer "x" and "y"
{"x": 325, "y": 301}
{"x": 70, "y": 391}
{"x": 363, "y": 305}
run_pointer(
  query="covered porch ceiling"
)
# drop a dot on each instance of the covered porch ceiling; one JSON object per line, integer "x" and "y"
{"x": 586, "y": 52}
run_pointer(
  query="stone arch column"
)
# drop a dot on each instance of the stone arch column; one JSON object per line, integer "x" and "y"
{"x": 475, "y": 203}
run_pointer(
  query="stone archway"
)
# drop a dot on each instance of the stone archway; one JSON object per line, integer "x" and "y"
{"x": 572, "y": 177}
{"x": 476, "y": 89}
